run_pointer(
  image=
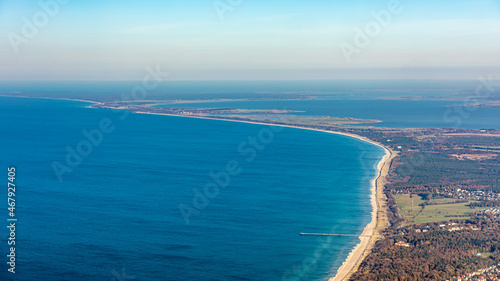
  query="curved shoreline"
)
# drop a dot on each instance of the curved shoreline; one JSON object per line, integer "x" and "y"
{"x": 49, "y": 98}
{"x": 369, "y": 235}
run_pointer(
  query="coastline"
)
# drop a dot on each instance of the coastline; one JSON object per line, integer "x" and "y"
{"x": 377, "y": 198}
{"x": 50, "y": 98}
{"x": 269, "y": 124}
{"x": 378, "y": 222}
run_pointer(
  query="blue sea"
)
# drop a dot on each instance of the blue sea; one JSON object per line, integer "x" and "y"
{"x": 115, "y": 211}
{"x": 110, "y": 195}
{"x": 392, "y": 113}
{"x": 370, "y": 99}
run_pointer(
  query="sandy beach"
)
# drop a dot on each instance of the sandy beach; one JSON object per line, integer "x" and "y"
{"x": 378, "y": 221}
{"x": 379, "y": 218}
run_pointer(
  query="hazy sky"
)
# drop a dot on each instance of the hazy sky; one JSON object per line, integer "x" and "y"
{"x": 243, "y": 39}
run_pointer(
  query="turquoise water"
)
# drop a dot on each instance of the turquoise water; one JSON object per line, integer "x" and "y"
{"x": 116, "y": 214}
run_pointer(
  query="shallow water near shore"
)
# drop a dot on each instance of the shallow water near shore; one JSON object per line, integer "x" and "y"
{"x": 117, "y": 212}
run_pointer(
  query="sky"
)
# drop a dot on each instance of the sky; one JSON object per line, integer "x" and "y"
{"x": 249, "y": 40}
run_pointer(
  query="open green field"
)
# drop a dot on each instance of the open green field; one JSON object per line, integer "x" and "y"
{"x": 425, "y": 137}
{"x": 436, "y": 213}
{"x": 431, "y": 213}
{"x": 486, "y": 148}
{"x": 326, "y": 121}
{"x": 443, "y": 201}
{"x": 409, "y": 210}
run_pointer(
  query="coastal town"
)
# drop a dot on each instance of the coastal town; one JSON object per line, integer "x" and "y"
{"x": 490, "y": 273}
{"x": 232, "y": 140}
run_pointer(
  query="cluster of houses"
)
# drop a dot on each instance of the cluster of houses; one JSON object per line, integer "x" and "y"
{"x": 492, "y": 212}
{"x": 491, "y": 273}
{"x": 418, "y": 230}
{"x": 468, "y": 195}
{"x": 463, "y": 195}
{"x": 452, "y": 226}
{"x": 476, "y": 195}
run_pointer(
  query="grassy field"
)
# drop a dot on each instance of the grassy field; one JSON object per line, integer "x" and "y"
{"x": 436, "y": 213}
{"x": 431, "y": 213}
{"x": 443, "y": 201}
{"x": 486, "y": 148}
{"x": 425, "y": 137}
{"x": 409, "y": 210}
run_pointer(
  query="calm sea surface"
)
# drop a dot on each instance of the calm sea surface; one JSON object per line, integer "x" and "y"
{"x": 393, "y": 113}
{"x": 115, "y": 213}
{"x": 144, "y": 197}
{"x": 358, "y": 99}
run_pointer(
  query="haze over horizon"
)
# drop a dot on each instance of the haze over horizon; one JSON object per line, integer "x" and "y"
{"x": 249, "y": 40}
